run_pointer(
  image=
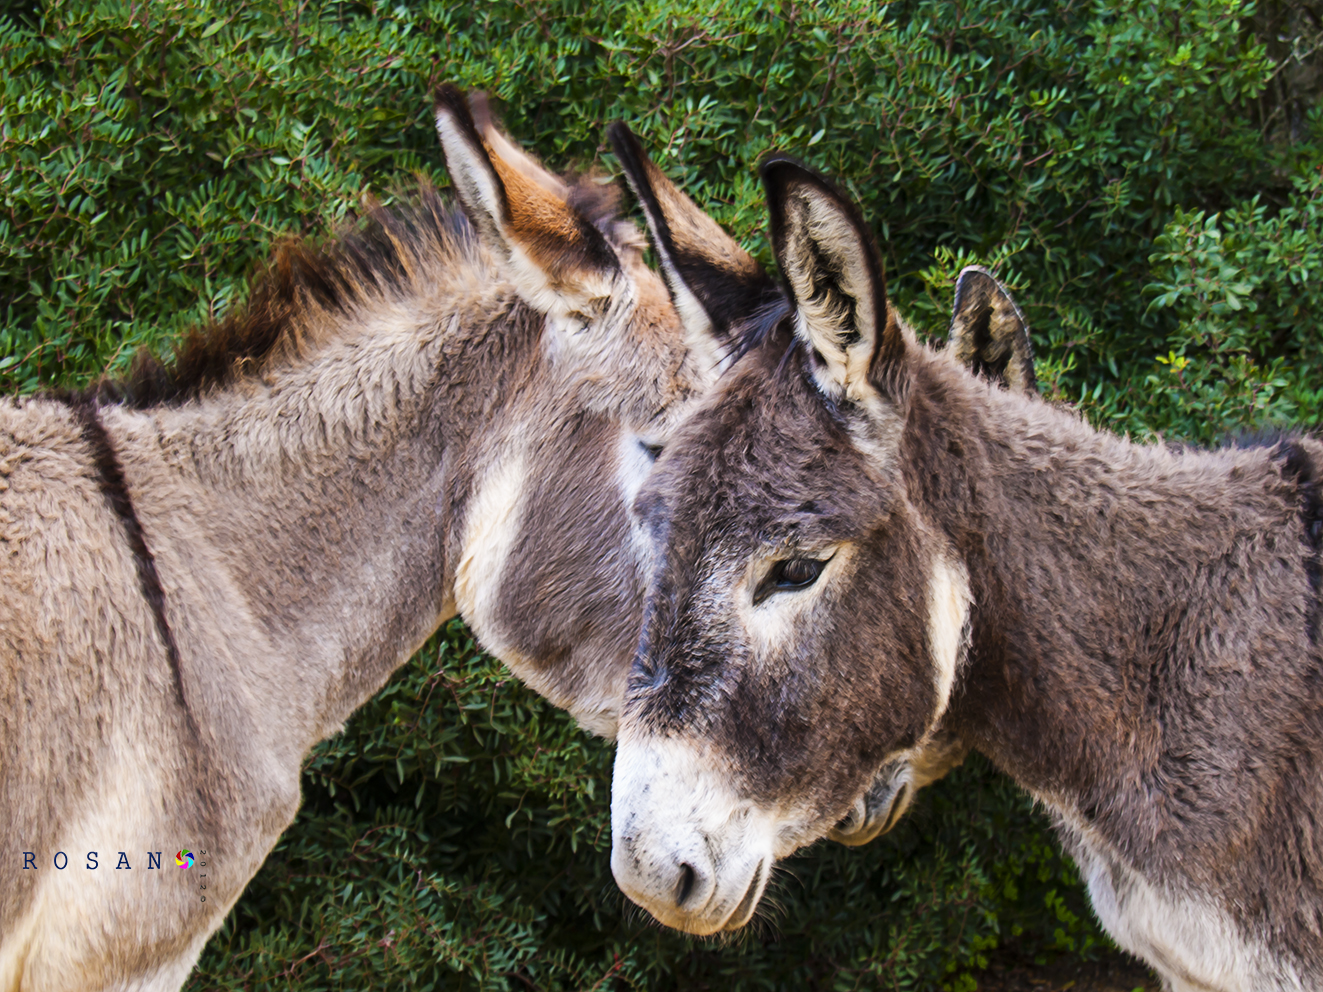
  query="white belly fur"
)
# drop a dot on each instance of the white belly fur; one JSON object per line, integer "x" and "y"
{"x": 1191, "y": 942}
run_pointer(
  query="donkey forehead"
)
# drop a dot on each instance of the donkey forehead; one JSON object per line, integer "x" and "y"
{"x": 633, "y": 362}
{"x": 764, "y": 455}
{"x": 655, "y": 323}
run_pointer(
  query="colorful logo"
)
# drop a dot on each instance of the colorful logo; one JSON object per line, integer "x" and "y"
{"x": 184, "y": 859}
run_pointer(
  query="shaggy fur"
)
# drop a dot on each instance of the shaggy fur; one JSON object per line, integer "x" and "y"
{"x": 205, "y": 568}
{"x": 720, "y": 290}
{"x": 1133, "y": 631}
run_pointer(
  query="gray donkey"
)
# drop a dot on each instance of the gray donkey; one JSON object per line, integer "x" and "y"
{"x": 206, "y": 568}
{"x": 209, "y": 566}
{"x": 860, "y": 543}
{"x": 717, "y": 286}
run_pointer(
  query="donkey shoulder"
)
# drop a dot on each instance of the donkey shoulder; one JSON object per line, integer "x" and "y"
{"x": 53, "y": 519}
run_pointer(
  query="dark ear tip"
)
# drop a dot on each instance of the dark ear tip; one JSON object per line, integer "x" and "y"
{"x": 619, "y": 131}
{"x": 779, "y": 164}
{"x": 624, "y": 142}
{"x": 974, "y": 279}
{"x": 448, "y": 96}
{"x": 453, "y": 101}
{"x": 780, "y": 172}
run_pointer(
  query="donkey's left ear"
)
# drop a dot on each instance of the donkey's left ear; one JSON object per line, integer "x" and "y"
{"x": 834, "y": 274}
{"x": 989, "y": 335}
{"x": 559, "y": 261}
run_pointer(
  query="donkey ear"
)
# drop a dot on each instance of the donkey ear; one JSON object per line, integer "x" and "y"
{"x": 831, "y": 266}
{"x": 558, "y": 259}
{"x": 714, "y": 282}
{"x": 989, "y": 334}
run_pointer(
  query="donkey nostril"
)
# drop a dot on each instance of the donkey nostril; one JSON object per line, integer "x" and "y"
{"x": 685, "y": 885}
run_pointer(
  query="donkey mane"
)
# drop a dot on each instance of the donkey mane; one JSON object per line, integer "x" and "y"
{"x": 373, "y": 260}
{"x": 378, "y": 256}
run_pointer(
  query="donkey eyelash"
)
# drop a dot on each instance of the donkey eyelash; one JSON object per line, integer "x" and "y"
{"x": 652, "y": 450}
{"x": 789, "y": 575}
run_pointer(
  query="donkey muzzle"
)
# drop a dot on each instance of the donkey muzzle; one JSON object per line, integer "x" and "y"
{"x": 684, "y": 845}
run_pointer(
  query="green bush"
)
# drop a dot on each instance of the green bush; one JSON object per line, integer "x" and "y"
{"x": 1125, "y": 166}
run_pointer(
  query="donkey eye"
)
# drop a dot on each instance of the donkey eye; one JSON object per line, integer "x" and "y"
{"x": 653, "y": 450}
{"x": 790, "y": 573}
{"x": 795, "y": 573}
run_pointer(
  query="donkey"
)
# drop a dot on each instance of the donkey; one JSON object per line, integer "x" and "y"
{"x": 717, "y": 287}
{"x": 207, "y": 567}
{"x": 860, "y": 542}
{"x": 210, "y": 565}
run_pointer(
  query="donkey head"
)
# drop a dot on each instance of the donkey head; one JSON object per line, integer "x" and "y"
{"x": 603, "y": 367}
{"x": 718, "y": 288}
{"x": 779, "y": 669}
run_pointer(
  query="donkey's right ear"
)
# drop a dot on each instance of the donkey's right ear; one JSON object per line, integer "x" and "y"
{"x": 559, "y": 260}
{"x": 479, "y": 188}
{"x": 832, "y": 268}
{"x": 714, "y": 283}
{"x": 989, "y": 335}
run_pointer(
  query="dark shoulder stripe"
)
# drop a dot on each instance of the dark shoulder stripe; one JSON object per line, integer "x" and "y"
{"x": 1298, "y": 465}
{"x": 110, "y": 478}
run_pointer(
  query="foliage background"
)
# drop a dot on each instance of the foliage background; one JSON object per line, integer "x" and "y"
{"x": 1147, "y": 176}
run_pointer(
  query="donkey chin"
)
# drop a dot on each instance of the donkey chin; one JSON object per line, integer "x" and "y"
{"x": 880, "y": 808}
{"x": 683, "y": 845}
{"x": 895, "y": 786}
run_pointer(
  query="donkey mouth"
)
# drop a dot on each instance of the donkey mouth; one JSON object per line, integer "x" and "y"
{"x": 853, "y": 821}
{"x": 867, "y": 820}
{"x": 896, "y": 809}
{"x": 744, "y": 911}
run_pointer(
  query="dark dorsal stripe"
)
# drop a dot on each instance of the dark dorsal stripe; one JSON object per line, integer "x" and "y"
{"x": 1298, "y": 465}
{"x": 110, "y": 479}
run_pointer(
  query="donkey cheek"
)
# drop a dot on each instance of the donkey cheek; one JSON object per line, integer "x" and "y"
{"x": 906, "y": 708}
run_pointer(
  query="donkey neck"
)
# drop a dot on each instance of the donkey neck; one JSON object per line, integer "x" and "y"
{"x": 1140, "y": 616}
{"x": 306, "y": 514}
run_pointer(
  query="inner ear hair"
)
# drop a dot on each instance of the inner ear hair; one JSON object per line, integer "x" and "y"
{"x": 714, "y": 282}
{"x": 513, "y": 201}
{"x": 479, "y": 188}
{"x": 989, "y": 334}
{"x": 834, "y": 274}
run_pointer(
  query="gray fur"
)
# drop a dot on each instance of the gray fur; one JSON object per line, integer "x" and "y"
{"x": 1130, "y": 631}
{"x": 403, "y": 425}
{"x": 989, "y": 336}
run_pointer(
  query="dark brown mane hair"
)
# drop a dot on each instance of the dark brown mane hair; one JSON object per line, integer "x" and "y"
{"x": 369, "y": 258}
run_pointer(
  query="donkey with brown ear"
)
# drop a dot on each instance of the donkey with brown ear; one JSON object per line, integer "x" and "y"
{"x": 206, "y": 568}
{"x": 860, "y": 542}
